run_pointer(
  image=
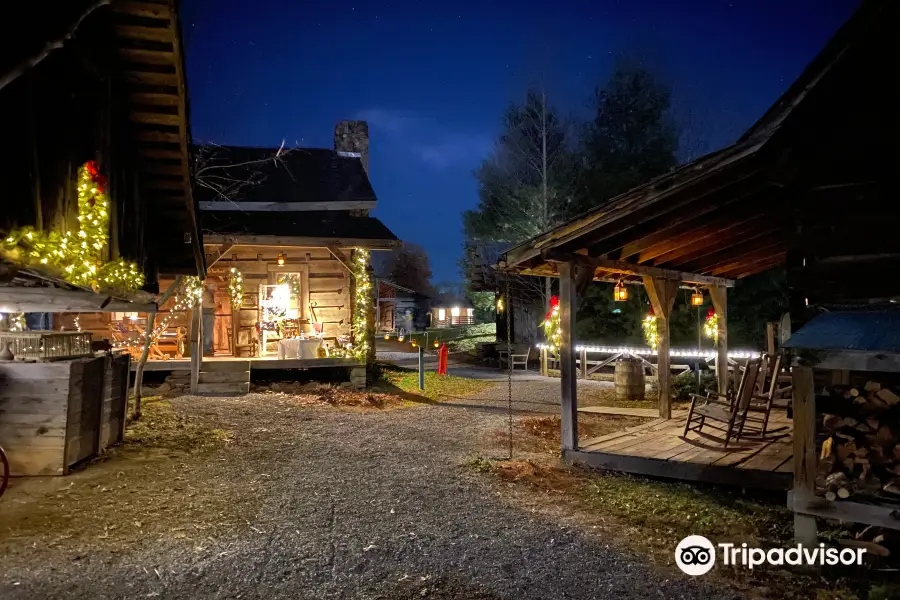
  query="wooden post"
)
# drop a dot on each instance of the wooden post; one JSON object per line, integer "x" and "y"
{"x": 196, "y": 345}
{"x": 720, "y": 303}
{"x": 569, "y": 385}
{"x": 662, "y": 297}
{"x": 770, "y": 338}
{"x": 804, "y": 403}
{"x": 545, "y": 371}
{"x": 584, "y": 367}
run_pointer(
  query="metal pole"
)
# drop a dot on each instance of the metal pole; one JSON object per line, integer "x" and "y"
{"x": 421, "y": 368}
{"x": 699, "y": 347}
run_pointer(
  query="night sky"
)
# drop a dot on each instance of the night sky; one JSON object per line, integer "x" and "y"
{"x": 433, "y": 79}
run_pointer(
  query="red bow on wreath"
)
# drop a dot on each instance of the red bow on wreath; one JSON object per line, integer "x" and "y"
{"x": 554, "y": 303}
{"x": 96, "y": 176}
{"x": 710, "y": 313}
{"x": 651, "y": 313}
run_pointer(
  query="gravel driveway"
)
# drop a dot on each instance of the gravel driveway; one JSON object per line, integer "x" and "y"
{"x": 363, "y": 505}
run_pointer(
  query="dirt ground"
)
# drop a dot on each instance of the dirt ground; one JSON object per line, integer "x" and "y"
{"x": 297, "y": 496}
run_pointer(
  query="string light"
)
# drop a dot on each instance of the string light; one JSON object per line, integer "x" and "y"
{"x": 236, "y": 286}
{"x": 361, "y": 305}
{"x": 651, "y": 330}
{"x": 78, "y": 256}
{"x": 187, "y": 297}
{"x": 552, "y": 325}
{"x": 293, "y": 282}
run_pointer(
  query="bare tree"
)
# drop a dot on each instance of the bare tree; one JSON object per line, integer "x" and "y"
{"x": 226, "y": 180}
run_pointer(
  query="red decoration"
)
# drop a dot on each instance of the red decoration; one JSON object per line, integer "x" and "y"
{"x": 710, "y": 312}
{"x": 443, "y": 353}
{"x": 96, "y": 176}
{"x": 554, "y": 303}
{"x": 651, "y": 313}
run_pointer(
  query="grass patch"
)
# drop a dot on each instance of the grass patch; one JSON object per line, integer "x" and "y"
{"x": 161, "y": 427}
{"x": 436, "y": 386}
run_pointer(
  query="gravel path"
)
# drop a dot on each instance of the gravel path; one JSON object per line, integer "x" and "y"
{"x": 362, "y": 505}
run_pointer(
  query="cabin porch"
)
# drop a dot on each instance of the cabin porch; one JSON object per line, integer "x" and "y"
{"x": 658, "y": 449}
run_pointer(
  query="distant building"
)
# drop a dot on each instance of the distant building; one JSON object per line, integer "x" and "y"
{"x": 398, "y": 307}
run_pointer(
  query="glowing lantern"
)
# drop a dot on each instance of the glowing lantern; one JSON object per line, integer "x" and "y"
{"x": 387, "y": 336}
{"x": 437, "y": 344}
{"x": 400, "y": 338}
{"x": 500, "y": 304}
{"x": 620, "y": 293}
{"x": 697, "y": 298}
{"x": 414, "y": 344}
{"x": 281, "y": 258}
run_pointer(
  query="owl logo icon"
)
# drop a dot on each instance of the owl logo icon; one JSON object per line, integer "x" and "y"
{"x": 695, "y": 555}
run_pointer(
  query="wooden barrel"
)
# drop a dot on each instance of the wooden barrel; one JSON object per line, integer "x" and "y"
{"x": 629, "y": 379}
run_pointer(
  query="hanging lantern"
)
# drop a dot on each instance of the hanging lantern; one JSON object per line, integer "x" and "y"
{"x": 414, "y": 344}
{"x": 281, "y": 258}
{"x": 399, "y": 338}
{"x": 387, "y": 336}
{"x": 620, "y": 292}
{"x": 437, "y": 344}
{"x": 697, "y": 298}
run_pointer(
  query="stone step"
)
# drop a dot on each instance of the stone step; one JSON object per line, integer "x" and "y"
{"x": 224, "y": 376}
{"x": 223, "y": 389}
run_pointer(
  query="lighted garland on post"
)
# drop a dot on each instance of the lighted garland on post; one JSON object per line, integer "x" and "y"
{"x": 651, "y": 330}
{"x": 78, "y": 255}
{"x": 361, "y": 303}
{"x": 187, "y": 297}
{"x": 552, "y": 325}
{"x": 236, "y": 287}
{"x": 711, "y": 326}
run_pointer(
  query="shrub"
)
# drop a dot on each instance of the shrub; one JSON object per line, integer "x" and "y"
{"x": 686, "y": 384}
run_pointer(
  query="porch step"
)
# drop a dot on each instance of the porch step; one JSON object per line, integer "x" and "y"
{"x": 224, "y": 376}
{"x": 224, "y": 389}
{"x": 224, "y": 366}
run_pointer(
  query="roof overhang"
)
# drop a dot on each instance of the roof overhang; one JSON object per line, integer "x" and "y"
{"x": 300, "y": 242}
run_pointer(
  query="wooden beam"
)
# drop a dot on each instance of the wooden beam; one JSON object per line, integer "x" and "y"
{"x": 156, "y": 136}
{"x": 151, "y": 78}
{"x": 43, "y": 299}
{"x": 804, "y": 405}
{"x": 719, "y": 297}
{"x": 750, "y": 262}
{"x": 339, "y": 256}
{"x": 136, "y": 32}
{"x": 662, "y": 297}
{"x": 147, "y": 57}
{"x": 715, "y": 241}
{"x": 288, "y": 206}
{"x": 300, "y": 242}
{"x": 568, "y": 302}
{"x": 626, "y": 268}
{"x": 221, "y": 251}
{"x": 154, "y": 118}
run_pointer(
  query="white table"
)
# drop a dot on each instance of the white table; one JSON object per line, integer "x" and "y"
{"x": 299, "y": 348}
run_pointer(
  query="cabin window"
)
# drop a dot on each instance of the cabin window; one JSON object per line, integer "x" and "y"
{"x": 442, "y": 314}
{"x": 454, "y": 312}
{"x": 121, "y": 316}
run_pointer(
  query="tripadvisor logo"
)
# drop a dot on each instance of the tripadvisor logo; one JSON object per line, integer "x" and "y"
{"x": 696, "y": 555}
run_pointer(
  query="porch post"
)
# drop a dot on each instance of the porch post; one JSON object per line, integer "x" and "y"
{"x": 196, "y": 345}
{"x": 719, "y": 297}
{"x": 662, "y": 298}
{"x": 804, "y": 403}
{"x": 569, "y": 386}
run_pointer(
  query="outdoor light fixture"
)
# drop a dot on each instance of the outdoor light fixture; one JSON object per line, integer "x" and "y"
{"x": 500, "y": 304}
{"x": 400, "y": 338}
{"x": 413, "y": 342}
{"x": 620, "y": 292}
{"x": 387, "y": 336}
{"x": 281, "y": 258}
{"x": 697, "y": 298}
{"x": 437, "y": 344}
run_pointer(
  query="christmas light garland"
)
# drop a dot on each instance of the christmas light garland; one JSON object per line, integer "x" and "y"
{"x": 78, "y": 256}
{"x": 361, "y": 304}
{"x": 293, "y": 283}
{"x": 188, "y": 296}
{"x": 711, "y": 326}
{"x": 553, "y": 325}
{"x": 236, "y": 287}
{"x": 651, "y": 330}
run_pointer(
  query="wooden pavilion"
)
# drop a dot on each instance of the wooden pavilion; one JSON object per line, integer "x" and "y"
{"x": 809, "y": 187}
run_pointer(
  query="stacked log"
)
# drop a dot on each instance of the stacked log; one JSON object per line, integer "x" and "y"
{"x": 859, "y": 431}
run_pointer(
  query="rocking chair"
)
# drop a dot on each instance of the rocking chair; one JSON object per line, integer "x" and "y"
{"x": 764, "y": 400}
{"x": 721, "y": 412}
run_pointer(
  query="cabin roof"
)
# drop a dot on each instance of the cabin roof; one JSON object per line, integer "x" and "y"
{"x": 815, "y": 157}
{"x": 337, "y": 225}
{"x": 296, "y": 175}
{"x": 865, "y": 331}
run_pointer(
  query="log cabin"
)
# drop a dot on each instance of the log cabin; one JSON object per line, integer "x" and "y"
{"x": 95, "y": 149}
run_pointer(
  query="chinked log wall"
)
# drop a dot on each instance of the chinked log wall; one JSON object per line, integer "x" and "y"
{"x": 329, "y": 280}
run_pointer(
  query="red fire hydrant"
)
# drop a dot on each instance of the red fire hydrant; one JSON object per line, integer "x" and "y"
{"x": 442, "y": 360}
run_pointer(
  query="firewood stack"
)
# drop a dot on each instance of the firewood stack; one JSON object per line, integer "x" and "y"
{"x": 859, "y": 432}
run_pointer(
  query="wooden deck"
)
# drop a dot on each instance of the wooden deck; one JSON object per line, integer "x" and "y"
{"x": 658, "y": 449}
{"x": 256, "y": 363}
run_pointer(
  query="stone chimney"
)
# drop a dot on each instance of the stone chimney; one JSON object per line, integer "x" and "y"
{"x": 351, "y": 138}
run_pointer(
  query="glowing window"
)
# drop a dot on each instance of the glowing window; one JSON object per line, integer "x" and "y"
{"x": 454, "y": 312}
{"x": 442, "y": 314}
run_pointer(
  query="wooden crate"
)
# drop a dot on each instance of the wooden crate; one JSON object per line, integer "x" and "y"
{"x": 47, "y": 345}
{"x": 56, "y": 414}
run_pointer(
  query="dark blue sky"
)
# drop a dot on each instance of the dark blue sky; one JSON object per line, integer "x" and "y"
{"x": 432, "y": 79}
